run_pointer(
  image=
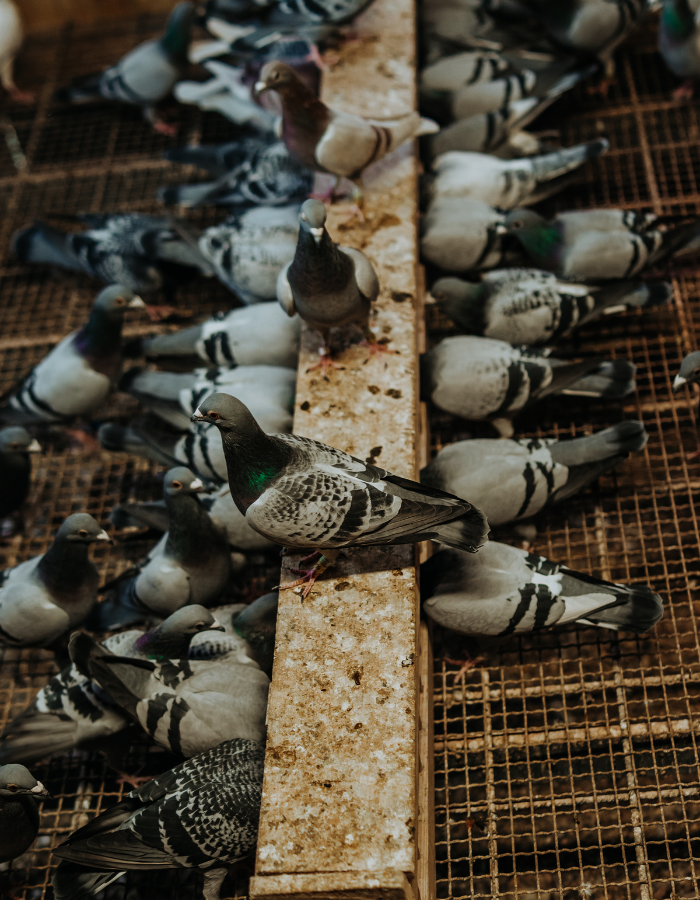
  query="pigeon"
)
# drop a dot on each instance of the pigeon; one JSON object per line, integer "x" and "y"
{"x": 598, "y": 244}
{"x": 489, "y": 132}
{"x": 47, "y": 596}
{"x": 252, "y": 626}
{"x": 504, "y": 590}
{"x": 146, "y": 75}
{"x": 16, "y": 445}
{"x": 186, "y": 706}
{"x": 679, "y": 44}
{"x": 339, "y": 12}
{"x": 248, "y": 251}
{"x": 329, "y": 286}
{"x": 304, "y": 494}
{"x": 79, "y": 373}
{"x": 329, "y": 140}
{"x": 72, "y": 711}
{"x": 268, "y": 390}
{"x": 529, "y": 306}
{"x": 506, "y": 184}
{"x": 469, "y": 83}
{"x": 19, "y": 816}
{"x": 250, "y": 171}
{"x": 11, "y": 38}
{"x": 191, "y": 564}
{"x": 202, "y": 814}
{"x": 511, "y": 480}
{"x": 123, "y": 248}
{"x": 250, "y": 336}
{"x": 593, "y": 27}
{"x": 689, "y": 372}
{"x": 462, "y": 235}
{"x": 219, "y": 504}
{"x": 480, "y": 378}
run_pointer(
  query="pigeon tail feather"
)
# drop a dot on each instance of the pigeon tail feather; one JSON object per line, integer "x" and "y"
{"x": 553, "y": 165}
{"x": 410, "y": 126}
{"x": 40, "y": 243}
{"x": 613, "y": 380}
{"x": 33, "y": 737}
{"x": 625, "y": 437}
{"x": 470, "y": 532}
{"x": 640, "y": 610}
{"x": 75, "y": 882}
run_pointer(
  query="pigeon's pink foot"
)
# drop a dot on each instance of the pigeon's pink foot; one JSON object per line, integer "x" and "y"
{"x": 376, "y": 346}
{"x": 684, "y": 91}
{"x": 325, "y": 363}
{"x": 135, "y": 781}
{"x": 18, "y": 96}
{"x": 309, "y": 576}
{"x": 464, "y": 666}
{"x": 160, "y": 313}
{"x": 165, "y": 128}
{"x": 86, "y": 442}
{"x": 315, "y": 57}
{"x": 311, "y": 558}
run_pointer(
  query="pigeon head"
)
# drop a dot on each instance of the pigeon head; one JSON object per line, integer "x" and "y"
{"x": 190, "y": 620}
{"x": 227, "y": 413}
{"x": 18, "y": 440}
{"x": 181, "y": 481}
{"x": 312, "y": 219}
{"x": 15, "y": 780}
{"x": 461, "y": 301}
{"x": 81, "y": 528}
{"x": 178, "y": 32}
{"x": 278, "y": 76}
{"x": 689, "y": 372}
{"x": 533, "y": 231}
{"x": 114, "y": 301}
{"x": 171, "y": 639}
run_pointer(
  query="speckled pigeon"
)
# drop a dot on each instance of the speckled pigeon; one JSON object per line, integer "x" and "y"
{"x": 202, "y": 814}
{"x": 307, "y": 495}
{"x": 19, "y": 816}
{"x": 531, "y": 306}
{"x": 72, "y": 711}
{"x": 483, "y": 379}
{"x": 78, "y": 374}
{"x": 511, "y": 480}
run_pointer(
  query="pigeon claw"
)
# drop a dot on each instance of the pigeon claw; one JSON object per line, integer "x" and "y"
{"x": 685, "y": 91}
{"x": 165, "y": 128}
{"x": 135, "y": 781}
{"x": 324, "y": 364}
{"x": 376, "y": 346}
{"x": 464, "y": 666}
{"x": 308, "y": 577}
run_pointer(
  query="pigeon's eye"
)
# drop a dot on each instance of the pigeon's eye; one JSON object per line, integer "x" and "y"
{"x": 177, "y": 484}
{"x": 119, "y": 301}
{"x": 14, "y": 446}
{"x": 12, "y": 787}
{"x": 516, "y": 224}
{"x": 213, "y": 415}
{"x": 83, "y": 532}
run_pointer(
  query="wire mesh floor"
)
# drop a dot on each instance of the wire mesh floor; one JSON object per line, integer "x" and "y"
{"x": 567, "y": 766}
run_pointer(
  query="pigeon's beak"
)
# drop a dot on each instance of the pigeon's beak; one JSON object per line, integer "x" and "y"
{"x": 137, "y": 303}
{"x": 103, "y": 536}
{"x": 429, "y": 300}
{"x": 260, "y": 87}
{"x": 317, "y": 233}
{"x": 34, "y": 447}
{"x": 501, "y": 229}
{"x": 679, "y": 382}
{"x": 198, "y": 416}
{"x": 216, "y": 626}
{"x": 197, "y": 486}
{"x": 40, "y": 791}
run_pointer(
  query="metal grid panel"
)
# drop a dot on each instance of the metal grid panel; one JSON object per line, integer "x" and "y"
{"x": 83, "y": 160}
{"x": 567, "y": 764}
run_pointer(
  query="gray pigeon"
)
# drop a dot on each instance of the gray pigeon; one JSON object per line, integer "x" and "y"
{"x": 307, "y": 495}
{"x": 327, "y": 285}
{"x": 507, "y": 183}
{"x": 250, "y": 336}
{"x": 16, "y": 447}
{"x": 254, "y": 625}
{"x": 248, "y": 171}
{"x": 511, "y": 480}
{"x": 202, "y": 814}
{"x": 187, "y": 706}
{"x": 146, "y": 75}
{"x": 19, "y": 816}
{"x": 594, "y": 27}
{"x": 78, "y": 375}
{"x": 529, "y": 306}
{"x": 679, "y": 44}
{"x": 504, "y": 591}
{"x": 267, "y": 390}
{"x": 45, "y": 597}
{"x": 462, "y": 235}
{"x": 190, "y": 564}
{"x": 115, "y": 248}
{"x": 689, "y": 372}
{"x": 482, "y": 379}
{"x": 72, "y": 711}
{"x": 598, "y": 244}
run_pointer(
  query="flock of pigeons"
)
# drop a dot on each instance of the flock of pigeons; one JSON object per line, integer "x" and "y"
{"x": 217, "y": 409}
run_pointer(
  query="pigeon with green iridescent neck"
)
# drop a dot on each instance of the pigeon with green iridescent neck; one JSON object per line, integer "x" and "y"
{"x": 78, "y": 374}
{"x": 511, "y": 480}
{"x": 190, "y": 564}
{"x": 679, "y": 44}
{"x": 19, "y": 816}
{"x": 600, "y": 244}
{"x": 533, "y": 307}
{"x": 306, "y": 495}
{"x": 483, "y": 379}
{"x": 146, "y": 75}
{"x": 45, "y": 597}
{"x": 202, "y": 815}
{"x": 73, "y": 711}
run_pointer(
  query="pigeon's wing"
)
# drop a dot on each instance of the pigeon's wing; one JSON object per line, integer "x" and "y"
{"x": 365, "y": 276}
{"x": 28, "y": 617}
{"x": 348, "y": 145}
{"x": 284, "y": 292}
